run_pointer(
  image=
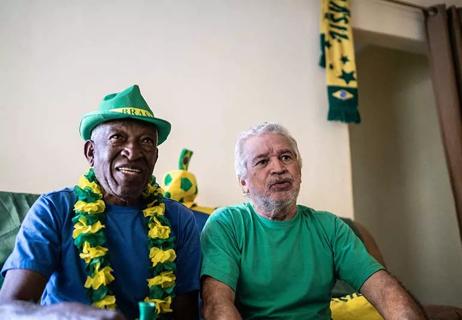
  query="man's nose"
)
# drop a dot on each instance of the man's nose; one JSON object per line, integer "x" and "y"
{"x": 278, "y": 166}
{"x": 131, "y": 151}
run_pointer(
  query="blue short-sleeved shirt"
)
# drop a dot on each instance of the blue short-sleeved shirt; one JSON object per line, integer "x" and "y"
{"x": 44, "y": 244}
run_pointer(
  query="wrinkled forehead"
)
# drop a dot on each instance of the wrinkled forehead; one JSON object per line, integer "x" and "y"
{"x": 126, "y": 125}
{"x": 267, "y": 144}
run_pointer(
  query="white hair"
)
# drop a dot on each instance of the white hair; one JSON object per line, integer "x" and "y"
{"x": 240, "y": 159}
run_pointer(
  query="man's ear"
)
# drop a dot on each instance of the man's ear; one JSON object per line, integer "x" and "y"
{"x": 243, "y": 184}
{"x": 89, "y": 151}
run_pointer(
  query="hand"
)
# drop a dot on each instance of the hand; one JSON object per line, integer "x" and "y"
{"x": 73, "y": 310}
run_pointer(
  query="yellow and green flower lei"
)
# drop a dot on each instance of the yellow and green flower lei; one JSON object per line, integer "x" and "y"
{"x": 90, "y": 239}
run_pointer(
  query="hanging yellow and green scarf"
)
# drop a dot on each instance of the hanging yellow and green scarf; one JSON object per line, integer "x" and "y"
{"x": 90, "y": 239}
{"x": 337, "y": 57}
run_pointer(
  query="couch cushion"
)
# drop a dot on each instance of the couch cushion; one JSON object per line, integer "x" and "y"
{"x": 13, "y": 208}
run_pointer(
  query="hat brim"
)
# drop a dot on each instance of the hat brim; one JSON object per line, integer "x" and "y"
{"x": 93, "y": 119}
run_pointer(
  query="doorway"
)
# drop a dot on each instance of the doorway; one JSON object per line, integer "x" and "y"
{"x": 401, "y": 189}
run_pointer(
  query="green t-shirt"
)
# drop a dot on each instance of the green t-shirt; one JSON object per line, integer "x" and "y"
{"x": 283, "y": 269}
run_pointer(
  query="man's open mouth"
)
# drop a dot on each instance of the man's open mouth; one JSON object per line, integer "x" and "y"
{"x": 282, "y": 184}
{"x": 129, "y": 170}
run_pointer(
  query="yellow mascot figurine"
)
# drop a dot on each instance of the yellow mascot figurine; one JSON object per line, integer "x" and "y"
{"x": 181, "y": 185}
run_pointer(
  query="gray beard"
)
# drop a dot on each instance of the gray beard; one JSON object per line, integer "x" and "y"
{"x": 274, "y": 209}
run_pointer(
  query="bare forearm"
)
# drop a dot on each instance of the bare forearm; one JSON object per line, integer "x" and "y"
{"x": 391, "y": 299}
{"x": 220, "y": 311}
{"x": 402, "y": 307}
{"x": 22, "y": 284}
{"x": 218, "y": 301}
{"x": 23, "y": 310}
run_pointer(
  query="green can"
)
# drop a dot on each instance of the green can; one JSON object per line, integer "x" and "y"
{"x": 147, "y": 310}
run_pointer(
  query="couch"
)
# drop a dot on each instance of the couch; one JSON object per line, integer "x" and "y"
{"x": 14, "y": 206}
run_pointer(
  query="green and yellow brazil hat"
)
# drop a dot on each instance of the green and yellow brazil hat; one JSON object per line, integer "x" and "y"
{"x": 127, "y": 104}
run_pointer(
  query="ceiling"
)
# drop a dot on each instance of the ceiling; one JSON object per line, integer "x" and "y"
{"x": 429, "y": 3}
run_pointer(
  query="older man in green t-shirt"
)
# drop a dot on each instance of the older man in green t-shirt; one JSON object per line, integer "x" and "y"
{"x": 273, "y": 259}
